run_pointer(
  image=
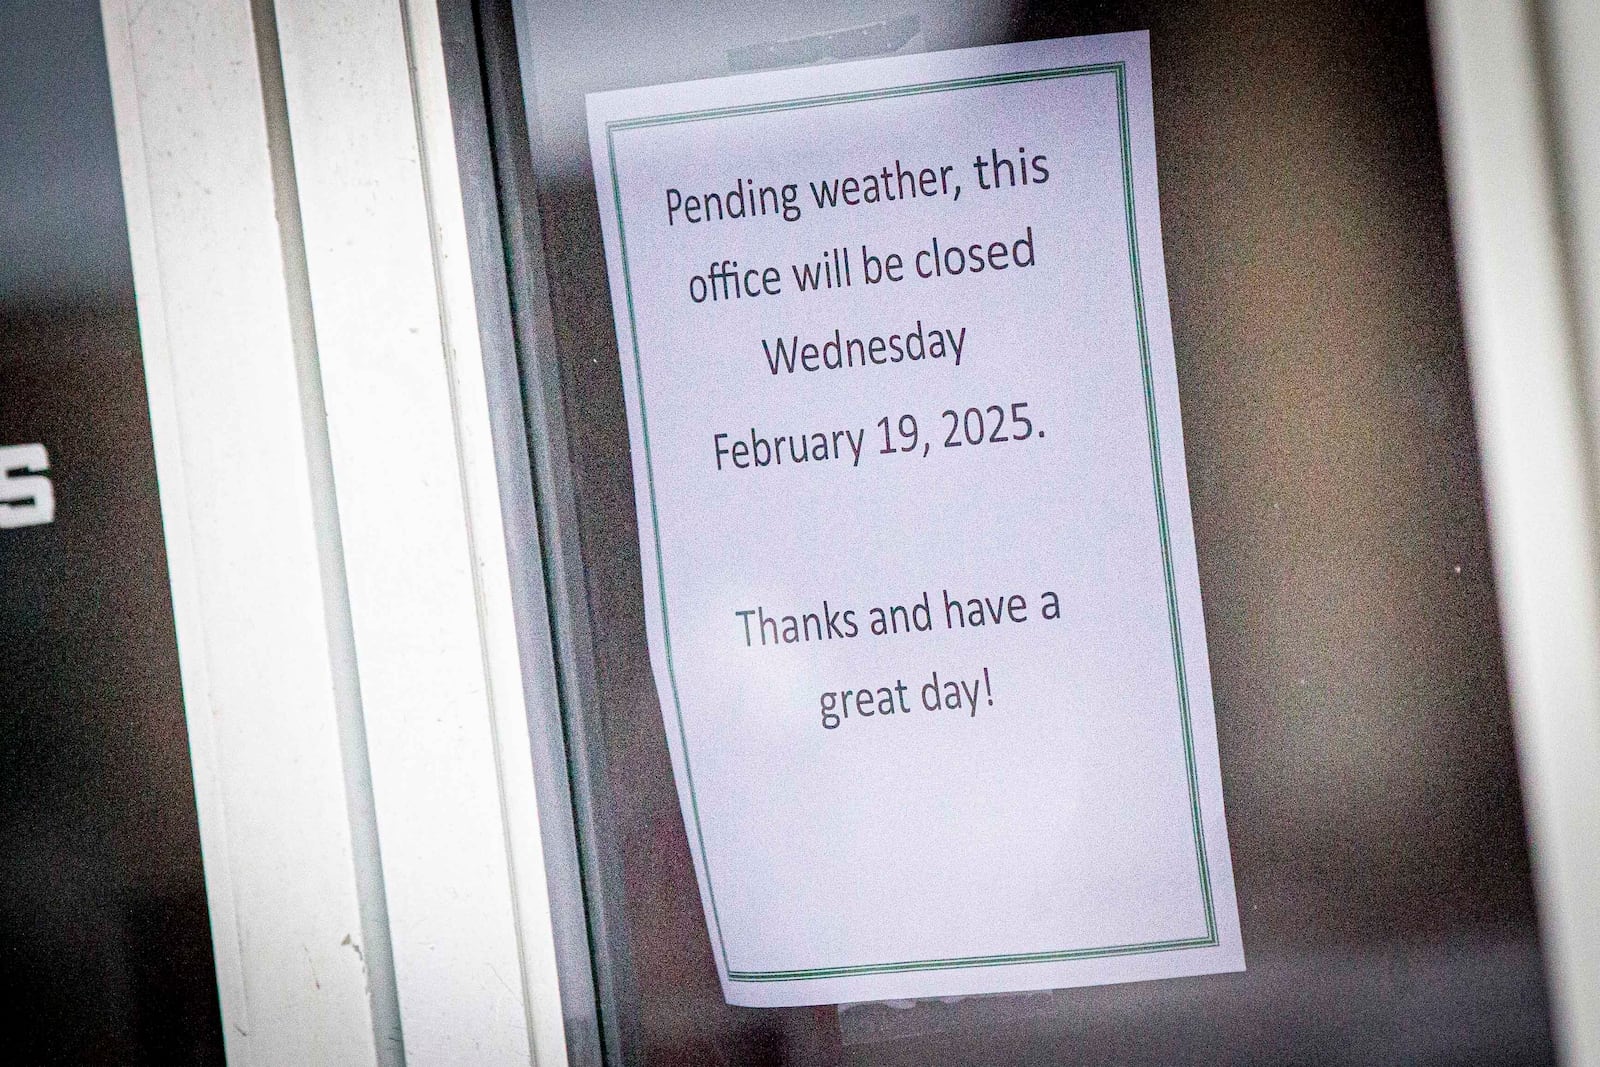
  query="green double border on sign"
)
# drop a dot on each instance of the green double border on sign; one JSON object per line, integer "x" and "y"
{"x": 1117, "y": 71}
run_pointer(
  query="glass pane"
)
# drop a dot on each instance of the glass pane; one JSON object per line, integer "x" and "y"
{"x": 1365, "y": 745}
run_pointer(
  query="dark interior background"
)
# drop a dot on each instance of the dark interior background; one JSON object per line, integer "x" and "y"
{"x": 105, "y": 947}
{"x": 1366, "y": 749}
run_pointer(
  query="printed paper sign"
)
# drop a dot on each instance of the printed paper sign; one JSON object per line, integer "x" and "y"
{"x": 918, "y": 563}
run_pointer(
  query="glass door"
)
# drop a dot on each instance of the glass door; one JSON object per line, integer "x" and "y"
{"x": 1374, "y": 822}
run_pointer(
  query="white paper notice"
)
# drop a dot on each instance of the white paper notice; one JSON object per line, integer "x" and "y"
{"x": 918, "y": 562}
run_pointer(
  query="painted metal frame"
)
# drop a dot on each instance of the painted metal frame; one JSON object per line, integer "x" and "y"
{"x": 347, "y": 583}
{"x": 485, "y": 65}
{"x": 1522, "y": 136}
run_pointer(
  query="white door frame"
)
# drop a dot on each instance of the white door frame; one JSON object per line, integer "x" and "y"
{"x": 347, "y": 558}
{"x": 1517, "y": 105}
{"x": 352, "y": 674}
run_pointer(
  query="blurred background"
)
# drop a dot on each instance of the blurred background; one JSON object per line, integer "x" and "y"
{"x": 105, "y": 946}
